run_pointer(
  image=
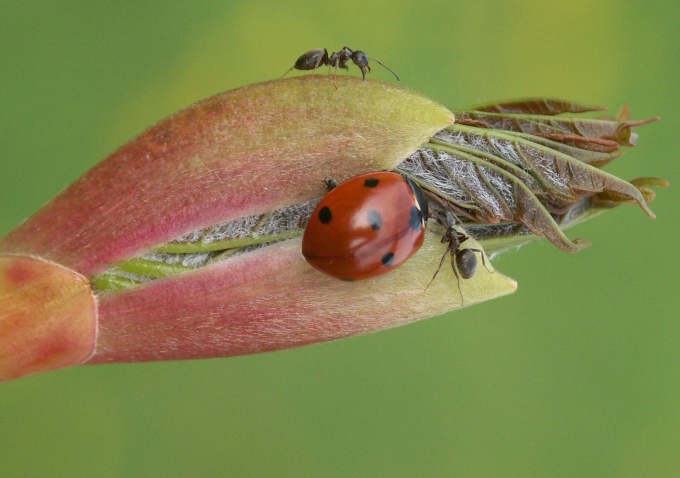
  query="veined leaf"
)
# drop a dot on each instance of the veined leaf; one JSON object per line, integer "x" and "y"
{"x": 536, "y": 106}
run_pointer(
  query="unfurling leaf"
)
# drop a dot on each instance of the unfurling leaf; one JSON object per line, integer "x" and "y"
{"x": 495, "y": 167}
{"x": 535, "y": 106}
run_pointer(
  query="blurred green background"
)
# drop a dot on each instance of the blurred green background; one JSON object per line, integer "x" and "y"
{"x": 577, "y": 374}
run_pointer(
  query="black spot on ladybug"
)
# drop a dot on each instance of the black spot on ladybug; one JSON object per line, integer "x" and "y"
{"x": 375, "y": 220}
{"x": 416, "y": 219}
{"x": 371, "y": 182}
{"x": 387, "y": 259}
{"x": 325, "y": 215}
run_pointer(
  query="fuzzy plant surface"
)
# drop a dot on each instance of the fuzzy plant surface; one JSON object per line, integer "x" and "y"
{"x": 186, "y": 242}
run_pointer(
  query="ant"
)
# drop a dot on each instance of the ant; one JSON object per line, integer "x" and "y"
{"x": 313, "y": 59}
{"x": 463, "y": 261}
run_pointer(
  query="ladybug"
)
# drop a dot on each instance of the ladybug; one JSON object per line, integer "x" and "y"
{"x": 366, "y": 226}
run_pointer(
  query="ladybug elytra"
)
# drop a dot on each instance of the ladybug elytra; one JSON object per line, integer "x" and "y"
{"x": 366, "y": 226}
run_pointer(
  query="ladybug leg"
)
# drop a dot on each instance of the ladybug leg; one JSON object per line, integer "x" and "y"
{"x": 330, "y": 184}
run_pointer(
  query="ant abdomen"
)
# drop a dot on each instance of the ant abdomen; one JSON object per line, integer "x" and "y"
{"x": 311, "y": 60}
{"x": 466, "y": 262}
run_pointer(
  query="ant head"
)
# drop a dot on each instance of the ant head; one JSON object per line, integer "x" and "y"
{"x": 449, "y": 219}
{"x": 446, "y": 219}
{"x": 361, "y": 60}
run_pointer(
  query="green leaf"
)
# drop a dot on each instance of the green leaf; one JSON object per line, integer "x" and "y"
{"x": 483, "y": 191}
{"x": 538, "y": 106}
{"x": 587, "y": 133}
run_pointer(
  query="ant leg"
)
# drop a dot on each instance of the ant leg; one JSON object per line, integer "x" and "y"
{"x": 449, "y": 206}
{"x": 455, "y": 272}
{"x": 363, "y": 71}
{"x": 317, "y": 64}
{"x": 291, "y": 69}
{"x": 481, "y": 253}
{"x": 335, "y": 77}
{"x": 441, "y": 263}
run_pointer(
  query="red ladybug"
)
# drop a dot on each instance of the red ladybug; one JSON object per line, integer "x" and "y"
{"x": 366, "y": 226}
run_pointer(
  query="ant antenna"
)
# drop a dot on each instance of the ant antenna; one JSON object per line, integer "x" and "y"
{"x": 386, "y": 67}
